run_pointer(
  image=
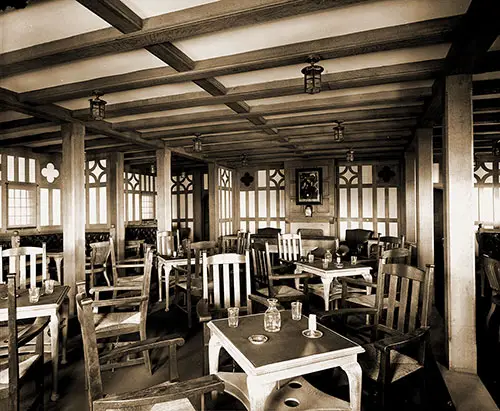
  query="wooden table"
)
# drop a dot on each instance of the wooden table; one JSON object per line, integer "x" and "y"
{"x": 331, "y": 272}
{"x": 47, "y": 306}
{"x": 166, "y": 264}
{"x": 286, "y": 354}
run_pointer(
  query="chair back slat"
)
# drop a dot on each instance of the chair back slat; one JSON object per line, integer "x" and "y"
{"x": 243, "y": 242}
{"x": 18, "y": 263}
{"x": 391, "y": 303}
{"x": 290, "y": 247}
{"x": 405, "y": 284}
{"x": 414, "y": 302}
{"x": 225, "y": 271}
{"x": 13, "y": 346}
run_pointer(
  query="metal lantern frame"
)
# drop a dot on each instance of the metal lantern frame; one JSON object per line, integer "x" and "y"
{"x": 338, "y": 131}
{"x": 312, "y": 76}
{"x": 350, "y": 155}
{"x": 197, "y": 144}
{"x": 97, "y": 107}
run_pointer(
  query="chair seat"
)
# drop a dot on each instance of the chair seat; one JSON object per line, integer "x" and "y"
{"x": 282, "y": 291}
{"x": 107, "y": 323}
{"x": 25, "y": 362}
{"x": 401, "y": 365}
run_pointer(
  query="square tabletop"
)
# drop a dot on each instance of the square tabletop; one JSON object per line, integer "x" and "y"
{"x": 286, "y": 345}
{"x": 46, "y": 300}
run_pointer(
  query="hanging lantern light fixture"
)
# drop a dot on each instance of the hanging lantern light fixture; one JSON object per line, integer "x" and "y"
{"x": 338, "y": 131}
{"x": 350, "y": 155}
{"x": 496, "y": 148}
{"x": 244, "y": 160}
{"x": 97, "y": 106}
{"x": 197, "y": 144}
{"x": 312, "y": 75}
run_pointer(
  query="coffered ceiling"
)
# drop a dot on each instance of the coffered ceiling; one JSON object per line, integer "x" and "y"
{"x": 230, "y": 70}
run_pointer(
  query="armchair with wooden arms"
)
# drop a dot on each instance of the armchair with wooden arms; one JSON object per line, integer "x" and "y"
{"x": 137, "y": 264}
{"x": 16, "y": 369}
{"x": 269, "y": 284}
{"x": 167, "y": 395}
{"x": 188, "y": 278}
{"x": 230, "y": 274}
{"x": 398, "y": 325}
{"x": 117, "y": 323}
{"x": 357, "y": 239}
{"x": 98, "y": 262}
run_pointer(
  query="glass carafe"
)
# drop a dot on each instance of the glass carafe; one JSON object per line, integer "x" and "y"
{"x": 328, "y": 256}
{"x": 272, "y": 317}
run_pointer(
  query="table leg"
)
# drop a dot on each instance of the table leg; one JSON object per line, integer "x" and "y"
{"x": 214, "y": 346}
{"x": 168, "y": 268}
{"x": 65, "y": 315}
{"x": 327, "y": 282}
{"x": 258, "y": 392}
{"x": 353, "y": 371}
{"x": 54, "y": 347}
{"x": 58, "y": 261}
{"x": 160, "y": 269}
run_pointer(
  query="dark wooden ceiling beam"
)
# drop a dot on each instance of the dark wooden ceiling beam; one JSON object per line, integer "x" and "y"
{"x": 414, "y": 34}
{"x": 194, "y": 21}
{"x": 115, "y": 13}
{"x": 349, "y": 79}
{"x": 24, "y": 124}
{"x": 53, "y": 113}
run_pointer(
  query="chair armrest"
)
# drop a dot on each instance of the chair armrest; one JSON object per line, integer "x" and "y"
{"x": 139, "y": 346}
{"x": 161, "y": 393}
{"x": 119, "y": 302}
{"x": 289, "y": 276}
{"x": 32, "y": 331}
{"x": 323, "y": 315}
{"x": 399, "y": 341}
{"x": 105, "y": 288}
{"x": 130, "y": 265}
{"x": 180, "y": 268}
{"x": 356, "y": 281}
{"x": 203, "y": 310}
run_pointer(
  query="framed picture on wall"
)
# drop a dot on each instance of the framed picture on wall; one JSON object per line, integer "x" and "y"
{"x": 309, "y": 183}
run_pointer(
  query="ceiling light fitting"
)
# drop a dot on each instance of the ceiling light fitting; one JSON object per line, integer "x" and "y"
{"x": 244, "y": 160}
{"x": 153, "y": 169}
{"x": 312, "y": 75}
{"x": 97, "y": 106}
{"x": 197, "y": 144}
{"x": 496, "y": 148}
{"x": 338, "y": 131}
{"x": 350, "y": 155}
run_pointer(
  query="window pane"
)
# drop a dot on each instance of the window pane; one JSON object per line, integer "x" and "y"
{"x": 103, "y": 207}
{"x": 92, "y": 205}
{"x": 367, "y": 174}
{"x": 354, "y": 202}
{"x": 136, "y": 207}
{"x": 190, "y": 205}
{"x": 44, "y": 206}
{"x": 381, "y": 202}
{"x": 272, "y": 203}
{"x": 32, "y": 178}
{"x": 21, "y": 176}
{"x": 262, "y": 204}
{"x": 367, "y": 203}
{"x": 393, "y": 202}
{"x": 262, "y": 178}
{"x": 56, "y": 206}
{"x": 10, "y": 168}
{"x": 21, "y": 207}
{"x": 243, "y": 204}
{"x": 130, "y": 205}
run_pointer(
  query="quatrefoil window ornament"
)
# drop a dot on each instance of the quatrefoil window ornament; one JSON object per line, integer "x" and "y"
{"x": 50, "y": 172}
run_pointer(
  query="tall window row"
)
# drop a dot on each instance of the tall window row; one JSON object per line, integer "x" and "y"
{"x": 96, "y": 192}
{"x": 262, "y": 200}
{"x": 182, "y": 200}
{"x": 487, "y": 193}
{"x": 369, "y": 198}
{"x": 140, "y": 197}
{"x": 26, "y": 182}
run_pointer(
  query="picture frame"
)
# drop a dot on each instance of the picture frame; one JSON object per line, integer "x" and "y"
{"x": 309, "y": 184}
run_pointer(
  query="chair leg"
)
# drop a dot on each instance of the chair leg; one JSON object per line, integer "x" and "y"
{"x": 490, "y": 314}
{"x": 188, "y": 309}
{"x": 145, "y": 354}
{"x": 174, "y": 373}
{"x": 39, "y": 374}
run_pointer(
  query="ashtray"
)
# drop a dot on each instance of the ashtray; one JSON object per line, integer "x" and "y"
{"x": 258, "y": 339}
{"x": 312, "y": 334}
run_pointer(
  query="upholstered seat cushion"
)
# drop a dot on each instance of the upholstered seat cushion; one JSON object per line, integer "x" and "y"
{"x": 401, "y": 365}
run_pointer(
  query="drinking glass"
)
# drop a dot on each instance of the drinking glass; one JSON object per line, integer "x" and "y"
{"x": 34, "y": 294}
{"x": 232, "y": 316}
{"x": 49, "y": 286}
{"x": 354, "y": 259}
{"x": 296, "y": 310}
{"x": 325, "y": 263}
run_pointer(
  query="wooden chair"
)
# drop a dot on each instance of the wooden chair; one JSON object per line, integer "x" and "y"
{"x": 188, "y": 279}
{"x": 118, "y": 323}
{"x": 228, "y": 243}
{"x": 166, "y": 395}
{"x": 399, "y": 324}
{"x": 98, "y": 264}
{"x": 133, "y": 248}
{"x": 136, "y": 264}
{"x": 266, "y": 282}
{"x": 14, "y": 371}
{"x": 20, "y": 259}
{"x": 357, "y": 240}
{"x": 230, "y": 274}
{"x": 491, "y": 268}
{"x": 242, "y": 242}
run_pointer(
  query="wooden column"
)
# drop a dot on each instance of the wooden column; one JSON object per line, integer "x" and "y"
{"x": 73, "y": 200}
{"x": 236, "y": 200}
{"x": 197, "y": 205}
{"x": 425, "y": 198}
{"x": 411, "y": 195}
{"x": 116, "y": 195}
{"x": 213, "y": 201}
{"x": 460, "y": 294}
{"x": 164, "y": 189}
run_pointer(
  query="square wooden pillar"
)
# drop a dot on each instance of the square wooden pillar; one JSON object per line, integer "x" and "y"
{"x": 116, "y": 202}
{"x": 73, "y": 200}
{"x": 213, "y": 201}
{"x": 164, "y": 189}
{"x": 425, "y": 198}
{"x": 411, "y": 196}
{"x": 460, "y": 294}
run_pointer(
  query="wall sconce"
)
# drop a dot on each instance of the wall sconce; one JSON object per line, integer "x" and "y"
{"x": 338, "y": 131}
{"x": 350, "y": 155}
{"x": 97, "y": 106}
{"x": 312, "y": 75}
{"x": 308, "y": 210}
{"x": 197, "y": 144}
